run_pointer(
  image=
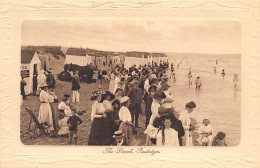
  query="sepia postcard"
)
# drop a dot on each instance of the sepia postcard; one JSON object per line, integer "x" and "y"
{"x": 133, "y": 84}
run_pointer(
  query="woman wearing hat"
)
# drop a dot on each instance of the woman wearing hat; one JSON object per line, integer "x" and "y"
{"x": 112, "y": 81}
{"x": 165, "y": 86}
{"x": 157, "y": 102}
{"x": 45, "y": 114}
{"x": 41, "y": 78}
{"x": 107, "y": 99}
{"x": 117, "y": 80}
{"x": 126, "y": 125}
{"x": 119, "y": 93}
{"x": 97, "y": 114}
{"x": 176, "y": 124}
{"x": 148, "y": 99}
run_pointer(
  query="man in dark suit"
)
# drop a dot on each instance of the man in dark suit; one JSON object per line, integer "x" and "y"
{"x": 135, "y": 95}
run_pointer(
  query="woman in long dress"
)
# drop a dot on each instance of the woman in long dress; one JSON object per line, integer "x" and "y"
{"x": 126, "y": 125}
{"x": 117, "y": 80}
{"x": 45, "y": 113}
{"x": 185, "y": 119}
{"x": 112, "y": 82}
{"x": 97, "y": 114}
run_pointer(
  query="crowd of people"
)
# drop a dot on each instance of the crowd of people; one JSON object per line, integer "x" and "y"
{"x": 115, "y": 112}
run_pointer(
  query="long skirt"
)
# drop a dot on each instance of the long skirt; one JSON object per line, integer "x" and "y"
{"x": 45, "y": 114}
{"x": 54, "y": 109}
{"x": 102, "y": 130}
{"x": 128, "y": 131}
{"x": 186, "y": 139}
{"x": 111, "y": 85}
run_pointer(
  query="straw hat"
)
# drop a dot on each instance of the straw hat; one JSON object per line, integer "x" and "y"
{"x": 168, "y": 100}
{"x": 118, "y": 134}
{"x": 42, "y": 85}
{"x": 124, "y": 99}
{"x": 152, "y": 86}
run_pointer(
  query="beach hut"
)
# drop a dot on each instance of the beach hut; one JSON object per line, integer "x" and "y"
{"x": 133, "y": 58}
{"x": 78, "y": 56}
{"x": 30, "y": 67}
{"x": 116, "y": 60}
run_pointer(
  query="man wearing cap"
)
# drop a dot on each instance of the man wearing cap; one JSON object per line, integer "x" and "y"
{"x": 135, "y": 95}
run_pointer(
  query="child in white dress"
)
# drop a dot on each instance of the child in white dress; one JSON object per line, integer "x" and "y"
{"x": 205, "y": 133}
{"x": 167, "y": 136}
{"x": 62, "y": 123}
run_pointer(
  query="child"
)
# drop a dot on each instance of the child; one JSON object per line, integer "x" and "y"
{"x": 205, "y": 133}
{"x": 185, "y": 119}
{"x": 73, "y": 123}
{"x": 198, "y": 83}
{"x": 219, "y": 139}
{"x": 62, "y": 123}
{"x": 167, "y": 136}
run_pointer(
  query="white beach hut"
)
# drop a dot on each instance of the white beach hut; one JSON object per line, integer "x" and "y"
{"x": 77, "y": 56}
{"x": 30, "y": 67}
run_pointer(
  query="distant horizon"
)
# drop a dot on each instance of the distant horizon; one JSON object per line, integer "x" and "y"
{"x": 181, "y": 36}
{"x": 133, "y": 50}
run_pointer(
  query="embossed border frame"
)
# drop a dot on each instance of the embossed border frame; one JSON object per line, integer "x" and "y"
{"x": 15, "y": 154}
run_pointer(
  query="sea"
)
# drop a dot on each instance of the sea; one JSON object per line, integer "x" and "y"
{"x": 217, "y": 100}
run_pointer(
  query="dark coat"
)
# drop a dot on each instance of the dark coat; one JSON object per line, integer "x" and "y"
{"x": 75, "y": 83}
{"x": 135, "y": 96}
{"x": 102, "y": 130}
{"x": 50, "y": 80}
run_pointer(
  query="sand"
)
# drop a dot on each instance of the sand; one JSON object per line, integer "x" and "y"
{"x": 216, "y": 101}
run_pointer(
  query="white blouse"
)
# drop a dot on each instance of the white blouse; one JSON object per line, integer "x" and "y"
{"x": 154, "y": 108}
{"x": 171, "y": 138}
{"x": 124, "y": 114}
{"x": 67, "y": 110}
{"x": 97, "y": 109}
{"x": 44, "y": 97}
{"x": 146, "y": 85}
{"x": 185, "y": 119}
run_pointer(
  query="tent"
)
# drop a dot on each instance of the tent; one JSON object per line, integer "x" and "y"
{"x": 78, "y": 57}
{"x": 30, "y": 67}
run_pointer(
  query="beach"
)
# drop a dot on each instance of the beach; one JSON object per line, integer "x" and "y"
{"x": 216, "y": 100}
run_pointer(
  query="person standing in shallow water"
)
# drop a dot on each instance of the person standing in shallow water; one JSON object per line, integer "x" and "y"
{"x": 223, "y": 74}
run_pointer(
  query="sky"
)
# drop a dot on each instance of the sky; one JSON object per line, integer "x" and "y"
{"x": 179, "y": 36}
